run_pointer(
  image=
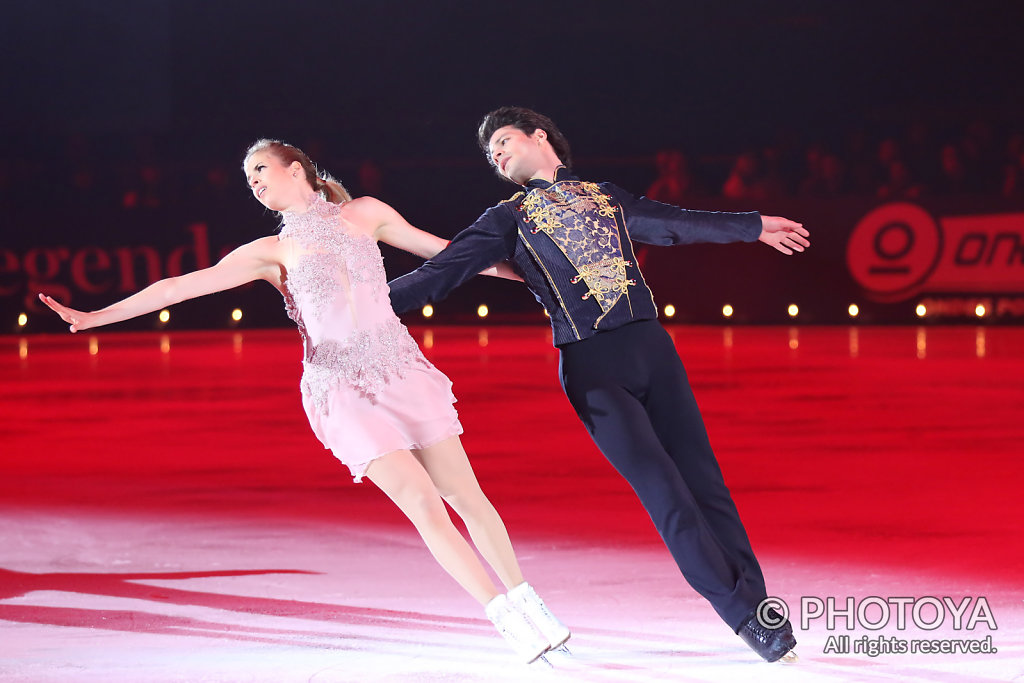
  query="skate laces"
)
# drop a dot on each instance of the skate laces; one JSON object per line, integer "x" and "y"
{"x": 516, "y": 629}
{"x": 526, "y": 599}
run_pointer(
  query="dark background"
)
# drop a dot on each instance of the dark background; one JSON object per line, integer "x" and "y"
{"x": 410, "y": 79}
{"x": 110, "y": 89}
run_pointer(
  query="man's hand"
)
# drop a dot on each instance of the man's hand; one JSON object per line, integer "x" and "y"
{"x": 783, "y": 234}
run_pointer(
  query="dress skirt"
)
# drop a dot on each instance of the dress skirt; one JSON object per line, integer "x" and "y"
{"x": 413, "y": 410}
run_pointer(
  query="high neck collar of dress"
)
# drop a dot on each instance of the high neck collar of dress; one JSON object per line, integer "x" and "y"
{"x": 320, "y": 212}
{"x": 318, "y": 206}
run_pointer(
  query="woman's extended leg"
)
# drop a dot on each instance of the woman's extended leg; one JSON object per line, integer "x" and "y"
{"x": 405, "y": 481}
{"x": 448, "y": 467}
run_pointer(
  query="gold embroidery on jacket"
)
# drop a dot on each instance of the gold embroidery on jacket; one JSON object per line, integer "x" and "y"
{"x": 580, "y": 219}
{"x": 514, "y": 197}
{"x": 554, "y": 287}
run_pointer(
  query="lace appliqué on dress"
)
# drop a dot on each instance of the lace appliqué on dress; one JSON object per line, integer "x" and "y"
{"x": 365, "y": 361}
{"x": 332, "y": 253}
{"x": 333, "y": 260}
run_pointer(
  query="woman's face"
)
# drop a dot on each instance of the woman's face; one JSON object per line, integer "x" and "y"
{"x": 274, "y": 184}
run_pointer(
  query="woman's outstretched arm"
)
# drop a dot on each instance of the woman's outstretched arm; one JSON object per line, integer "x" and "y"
{"x": 253, "y": 261}
{"x": 391, "y": 228}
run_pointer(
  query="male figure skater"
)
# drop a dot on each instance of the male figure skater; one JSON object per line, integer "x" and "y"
{"x": 570, "y": 241}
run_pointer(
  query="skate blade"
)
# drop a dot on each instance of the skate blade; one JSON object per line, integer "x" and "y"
{"x": 790, "y": 657}
{"x": 542, "y": 662}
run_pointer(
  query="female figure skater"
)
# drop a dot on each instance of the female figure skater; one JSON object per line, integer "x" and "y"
{"x": 370, "y": 395}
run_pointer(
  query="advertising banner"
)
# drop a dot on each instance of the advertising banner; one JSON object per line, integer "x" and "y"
{"x": 954, "y": 259}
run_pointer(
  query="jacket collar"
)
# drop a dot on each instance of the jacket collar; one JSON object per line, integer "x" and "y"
{"x": 561, "y": 173}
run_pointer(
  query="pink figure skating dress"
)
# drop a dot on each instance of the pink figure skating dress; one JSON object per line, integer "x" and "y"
{"x": 366, "y": 387}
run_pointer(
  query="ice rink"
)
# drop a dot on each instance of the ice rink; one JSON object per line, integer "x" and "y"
{"x": 166, "y": 514}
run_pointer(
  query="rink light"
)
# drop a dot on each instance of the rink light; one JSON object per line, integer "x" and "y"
{"x": 980, "y": 310}
{"x": 793, "y": 310}
{"x": 428, "y": 311}
{"x": 921, "y": 311}
{"x": 22, "y": 320}
{"x": 854, "y": 310}
{"x": 670, "y": 310}
{"x": 727, "y": 311}
{"x": 482, "y": 310}
{"x": 164, "y": 316}
{"x": 236, "y": 314}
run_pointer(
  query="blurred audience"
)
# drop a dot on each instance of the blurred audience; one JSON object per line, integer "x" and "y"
{"x": 745, "y": 180}
{"x": 909, "y": 162}
{"x": 1013, "y": 177}
{"x": 826, "y": 175}
{"x": 674, "y": 184}
{"x": 900, "y": 184}
{"x": 952, "y": 178}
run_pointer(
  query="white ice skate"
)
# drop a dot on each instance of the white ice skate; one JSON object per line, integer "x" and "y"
{"x": 528, "y": 642}
{"x": 526, "y": 600}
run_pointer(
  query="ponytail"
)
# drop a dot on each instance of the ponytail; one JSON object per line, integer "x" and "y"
{"x": 332, "y": 190}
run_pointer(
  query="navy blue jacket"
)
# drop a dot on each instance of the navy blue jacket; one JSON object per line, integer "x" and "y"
{"x": 570, "y": 241}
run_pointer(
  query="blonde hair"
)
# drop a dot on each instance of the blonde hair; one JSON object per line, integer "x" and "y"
{"x": 322, "y": 182}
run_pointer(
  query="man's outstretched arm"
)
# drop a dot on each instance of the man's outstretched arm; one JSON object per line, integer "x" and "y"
{"x": 490, "y": 240}
{"x": 653, "y": 222}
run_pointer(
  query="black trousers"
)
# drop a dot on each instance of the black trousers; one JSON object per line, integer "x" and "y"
{"x": 629, "y": 388}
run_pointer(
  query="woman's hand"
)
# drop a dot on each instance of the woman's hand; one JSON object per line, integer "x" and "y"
{"x": 79, "y": 320}
{"x": 257, "y": 260}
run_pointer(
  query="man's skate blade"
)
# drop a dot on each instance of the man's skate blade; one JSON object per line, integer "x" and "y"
{"x": 790, "y": 657}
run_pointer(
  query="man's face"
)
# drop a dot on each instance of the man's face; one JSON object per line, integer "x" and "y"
{"x": 516, "y": 155}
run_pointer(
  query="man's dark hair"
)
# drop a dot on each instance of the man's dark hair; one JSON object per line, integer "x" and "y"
{"x": 527, "y": 121}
